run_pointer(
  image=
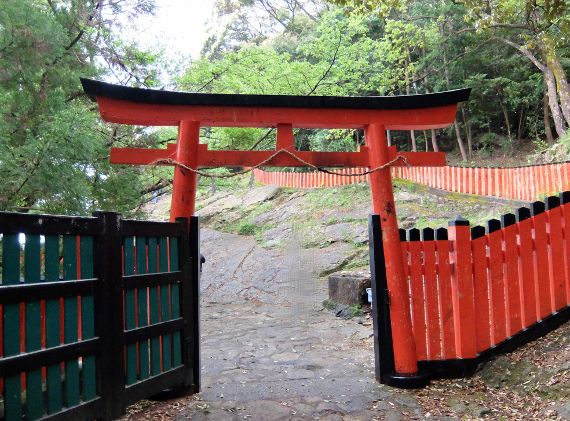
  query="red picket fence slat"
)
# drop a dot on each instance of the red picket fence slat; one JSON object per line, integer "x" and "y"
{"x": 518, "y": 183}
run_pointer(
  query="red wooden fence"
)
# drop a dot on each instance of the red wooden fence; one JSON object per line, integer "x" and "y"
{"x": 519, "y": 183}
{"x": 475, "y": 290}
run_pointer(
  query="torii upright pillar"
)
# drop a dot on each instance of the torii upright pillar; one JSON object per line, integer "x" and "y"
{"x": 184, "y": 183}
{"x": 190, "y": 111}
{"x": 383, "y": 205}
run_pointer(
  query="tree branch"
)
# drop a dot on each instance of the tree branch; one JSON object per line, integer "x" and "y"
{"x": 332, "y": 63}
{"x": 525, "y": 51}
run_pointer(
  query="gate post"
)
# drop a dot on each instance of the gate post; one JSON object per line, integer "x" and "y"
{"x": 405, "y": 357}
{"x": 383, "y": 347}
{"x": 190, "y": 296}
{"x": 109, "y": 310}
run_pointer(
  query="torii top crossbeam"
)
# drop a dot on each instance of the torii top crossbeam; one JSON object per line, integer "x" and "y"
{"x": 190, "y": 111}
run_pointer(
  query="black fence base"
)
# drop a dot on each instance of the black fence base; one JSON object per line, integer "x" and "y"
{"x": 456, "y": 368}
{"x": 407, "y": 381}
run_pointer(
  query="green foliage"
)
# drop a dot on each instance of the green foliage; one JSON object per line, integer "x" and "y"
{"x": 356, "y": 310}
{"x": 53, "y": 148}
{"x": 246, "y": 228}
{"x": 565, "y": 141}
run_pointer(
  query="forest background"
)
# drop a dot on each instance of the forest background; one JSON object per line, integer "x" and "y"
{"x": 54, "y": 149}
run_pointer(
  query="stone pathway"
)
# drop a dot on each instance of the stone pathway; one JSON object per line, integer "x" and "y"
{"x": 281, "y": 362}
{"x": 271, "y": 352}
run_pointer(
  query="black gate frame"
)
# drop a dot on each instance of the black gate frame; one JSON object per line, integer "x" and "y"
{"x": 108, "y": 230}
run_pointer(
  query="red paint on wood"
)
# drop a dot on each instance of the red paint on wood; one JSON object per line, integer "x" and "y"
{"x": 418, "y": 299}
{"x": 136, "y": 113}
{"x": 497, "y": 288}
{"x": 462, "y": 291}
{"x": 445, "y": 299}
{"x": 542, "y": 271}
{"x": 481, "y": 293}
{"x": 432, "y": 302}
{"x": 512, "y": 287}
{"x": 556, "y": 259}
{"x": 405, "y": 357}
{"x": 566, "y": 235}
{"x": 184, "y": 184}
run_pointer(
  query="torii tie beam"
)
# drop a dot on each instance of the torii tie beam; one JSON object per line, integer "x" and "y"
{"x": 190, "y": 111}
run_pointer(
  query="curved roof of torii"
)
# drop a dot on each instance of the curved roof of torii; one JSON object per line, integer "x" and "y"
{"x": 95, "y": 88}
{"x": 122, "y": 104}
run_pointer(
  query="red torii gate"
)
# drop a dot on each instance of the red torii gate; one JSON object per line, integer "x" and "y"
{"x": 190, "y": 111}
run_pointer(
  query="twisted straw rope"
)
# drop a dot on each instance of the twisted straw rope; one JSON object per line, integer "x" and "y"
{"x": 170, "y": 161}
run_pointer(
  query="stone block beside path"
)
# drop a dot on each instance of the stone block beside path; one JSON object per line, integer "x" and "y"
{"x": 349, "y": 288}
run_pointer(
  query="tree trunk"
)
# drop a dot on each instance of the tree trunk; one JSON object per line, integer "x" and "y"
{"x": 468, "y": 132}
{"x": 433, "y": 138}
{"x": 426, "y": 140}
{"x": 413, "y": 137}
{"x": 434, "y": 141}
{"x": 547, "y": 128}
{"x": 460, "y": 140}
{"x": 553, "y": 102}
{"x": 507, "y": 120}
{"x": 522, "y": 117}
{"x": 562, "y": 86}
{"x": 389, "y": 137}
{"x": 457, "y": 131}
{"x": 549, "y": 77}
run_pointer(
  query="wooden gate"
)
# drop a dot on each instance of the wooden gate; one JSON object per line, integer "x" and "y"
{"x": 96, "y": 313}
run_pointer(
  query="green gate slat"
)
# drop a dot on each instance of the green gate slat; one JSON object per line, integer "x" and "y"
{"x": 154, "y": 310}
{"x": 130, "y": 320}
{"x": 165, "y": 304}
{"x": 175, "y": 304}
{"x": 142, "y": 307}
{"x": 32, "y": 269}
{"x": 89, "y": 375}
{"x": 54, "y": 392}
{"x": 70, "y": 324}
{"x": 10, "y": 276}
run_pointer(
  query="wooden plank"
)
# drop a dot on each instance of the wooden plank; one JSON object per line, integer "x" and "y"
{"x": 417, "y": 294}
{"x": 71, "y": 327}
{"x": 462, "y": 288}
{"x": 165, "y": 303}
{"x": 542, "y": 270}
{"x": 32, "y": 269}
{"x": 431, "y": 295}
{"x": 175, "y": 302}
{"x": 512, "y": 279}
{"x": 89, "y": 371}
{"x": 497, "y": 282}
{"x": 153, "y": 307}
{"x": 481, "y": 288}
{"x": 130, "y": 309}
{"x": 217, "y": 158}
{"x": 53, "y": 331}
{"x": 142, "y": 307}
{"x": 556, "y": 255}
{"x": 11, "y": 326}
{"x": 130, "y": 112}
{"x": 445, "y": 296}
{"x": 529, "y": 314}
{"x": 565, "y": 199}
